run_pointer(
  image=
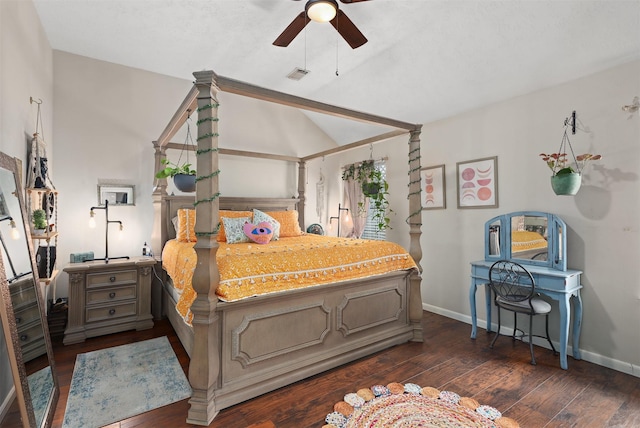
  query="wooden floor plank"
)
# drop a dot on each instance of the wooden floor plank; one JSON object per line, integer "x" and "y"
{"x": 544, "y": 395}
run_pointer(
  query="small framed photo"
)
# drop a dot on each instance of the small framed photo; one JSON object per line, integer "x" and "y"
{"x": 116, "y": 194}
{"x": 433, "y": 188}
{"x": 478, "y": 183}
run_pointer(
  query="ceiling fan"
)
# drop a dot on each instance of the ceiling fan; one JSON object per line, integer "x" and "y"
{"x": 323, "y": 11}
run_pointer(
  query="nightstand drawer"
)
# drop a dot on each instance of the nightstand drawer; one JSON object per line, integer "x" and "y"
{"x": 110, "y": 294}
{"x": 111, "y": 312}
{"x": 28, "y": 314}
{"x": 21, "y": 297}
{"x": 29, "y": 333}
{"x": 112, "y": 278}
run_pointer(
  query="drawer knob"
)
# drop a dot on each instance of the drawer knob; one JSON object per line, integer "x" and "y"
{"x": 112, "y": 279}
{"x": 18, "y": 320}
{"x": 112, "y": 294}
{"x": 112, "y": 311}
{"x": 24, "y": 337}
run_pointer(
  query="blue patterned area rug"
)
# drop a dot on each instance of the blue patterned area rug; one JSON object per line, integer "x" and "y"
{"x": 116, "y": 383}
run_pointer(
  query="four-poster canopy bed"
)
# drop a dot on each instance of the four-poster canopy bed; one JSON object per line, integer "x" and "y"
{"x": 241, "y": 349}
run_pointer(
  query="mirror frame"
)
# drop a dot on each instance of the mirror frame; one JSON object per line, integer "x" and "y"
{"x": 9, "y": 324}
{"x": 556, "y": 236}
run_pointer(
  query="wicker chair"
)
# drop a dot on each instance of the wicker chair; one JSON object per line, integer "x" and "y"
{"x": 514, "y": 289}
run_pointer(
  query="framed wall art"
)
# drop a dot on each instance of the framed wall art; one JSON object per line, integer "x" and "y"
{"x": 478, "y": 183}
{"x": 116, "y": 194}
{"x": 432, "y": 182}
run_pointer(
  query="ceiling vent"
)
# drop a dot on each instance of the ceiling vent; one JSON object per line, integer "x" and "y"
{"x": 297, "y": 73}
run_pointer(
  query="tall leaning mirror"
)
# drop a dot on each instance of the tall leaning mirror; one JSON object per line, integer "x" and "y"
{"x": 29, "y": 387}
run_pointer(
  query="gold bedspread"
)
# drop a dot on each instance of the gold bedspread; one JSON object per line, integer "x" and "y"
{"x": 250, "y": 269}
{"x": 522, "y": 240}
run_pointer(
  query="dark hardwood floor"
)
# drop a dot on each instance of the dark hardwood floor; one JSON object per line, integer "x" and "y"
{"x": 586, "y": 395}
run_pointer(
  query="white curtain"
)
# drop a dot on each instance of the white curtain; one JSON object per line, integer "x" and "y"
{"x": 358, "y": 206}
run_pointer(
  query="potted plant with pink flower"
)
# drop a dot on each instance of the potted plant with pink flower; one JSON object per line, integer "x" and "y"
{"x": 566, "y": 178}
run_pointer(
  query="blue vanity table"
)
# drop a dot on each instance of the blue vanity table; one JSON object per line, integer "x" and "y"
{"x": 538, "y": 241}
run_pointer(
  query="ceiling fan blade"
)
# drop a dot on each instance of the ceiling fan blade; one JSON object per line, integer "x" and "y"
{"x": 290, "y": 33}
{"x": 348, "y": 30}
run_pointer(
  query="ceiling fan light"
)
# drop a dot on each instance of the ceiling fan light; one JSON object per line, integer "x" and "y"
{"x": 322, "y": 10}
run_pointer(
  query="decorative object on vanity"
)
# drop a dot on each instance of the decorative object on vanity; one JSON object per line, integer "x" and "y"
{"x": 116, "y": 383}
{"x": 92, "y": 224}
{"x": 31, "y": 398}
{"x": 477, "y": 185}
{"x": 323, "y": 11}
{"x": 38, "y": 170}
{"x": 566, "y": 177}
{"x": 108, "y": 298}
{"x": 373, "y": 191}
{"x": 184, "y": 176}
{"x": 432, "y": 180}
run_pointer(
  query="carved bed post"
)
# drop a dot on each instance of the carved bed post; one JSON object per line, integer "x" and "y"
{"x": 204, "y": 365}
{"x": 159, "y": 231}
{"x": 415, "y": 223}
{"x": 302, "y": 175}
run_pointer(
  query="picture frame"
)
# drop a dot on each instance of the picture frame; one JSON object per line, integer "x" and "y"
{"x": 432, "y": 182}
{"x": 116, "y": 194}
{"x": 477, "y": 183}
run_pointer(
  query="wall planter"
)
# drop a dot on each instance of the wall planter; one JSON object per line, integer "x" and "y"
{"x": 566, "y": 184}
{"x": 185, "y": 182}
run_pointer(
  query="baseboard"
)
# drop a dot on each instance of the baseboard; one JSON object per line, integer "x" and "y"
{"x": 6, "y": 403}
{"x": 591, "y": 357}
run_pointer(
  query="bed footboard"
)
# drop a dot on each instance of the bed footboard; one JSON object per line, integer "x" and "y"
{"x": 276, "y": 340}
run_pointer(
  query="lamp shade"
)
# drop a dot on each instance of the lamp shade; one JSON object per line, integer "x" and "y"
{"x": 322, "y": 10}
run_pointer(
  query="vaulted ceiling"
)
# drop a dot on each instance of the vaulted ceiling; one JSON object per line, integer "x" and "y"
{"x": 425, "y": 59}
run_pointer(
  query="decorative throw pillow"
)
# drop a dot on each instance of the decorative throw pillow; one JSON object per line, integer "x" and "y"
{"x": 259, "y": 217}
{"x": 185, "y": 230}
{"x": 233, "y": 229}
{"x": 260, "y": 233}
{"x": 230, "y": 214}
{"x": 288, "y": 220}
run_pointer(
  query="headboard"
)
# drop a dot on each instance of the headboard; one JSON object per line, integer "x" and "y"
{"x": 174, "y": 203}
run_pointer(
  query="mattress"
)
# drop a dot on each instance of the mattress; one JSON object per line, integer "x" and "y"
{"x": 249, "y": 269}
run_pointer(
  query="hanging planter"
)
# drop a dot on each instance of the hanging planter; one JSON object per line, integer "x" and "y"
{"x": 567, "y": 177}
{"x": 370, "y": 189}
{"x": 566, "y": 184}
{"x": 375, "y": 187}
{"x": 184, "y": 177}
{"x": 185, "y": 182}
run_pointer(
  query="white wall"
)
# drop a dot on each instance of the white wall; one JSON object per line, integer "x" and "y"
{"x": 603, "y": 235}
{"x": 26, "y": 70}
{"x": 106, "y": 117}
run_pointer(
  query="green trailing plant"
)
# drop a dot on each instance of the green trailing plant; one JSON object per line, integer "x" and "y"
{"x": 39, "y": 219}
{"x": 375, "y": 187}
{"x": 171, "y": 169}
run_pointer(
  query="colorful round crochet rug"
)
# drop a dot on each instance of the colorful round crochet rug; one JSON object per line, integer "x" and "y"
{"x": 397, "y": 405}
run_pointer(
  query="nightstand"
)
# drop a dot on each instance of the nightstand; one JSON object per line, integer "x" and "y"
{"x": 106, "y": 298}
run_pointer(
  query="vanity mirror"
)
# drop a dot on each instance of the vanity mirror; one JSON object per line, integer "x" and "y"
{"x": 29, "y": 387}
{"x": 529, "y": 237}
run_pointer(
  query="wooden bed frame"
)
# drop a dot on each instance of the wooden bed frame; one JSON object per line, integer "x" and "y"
{"x": 242, "y": 349}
